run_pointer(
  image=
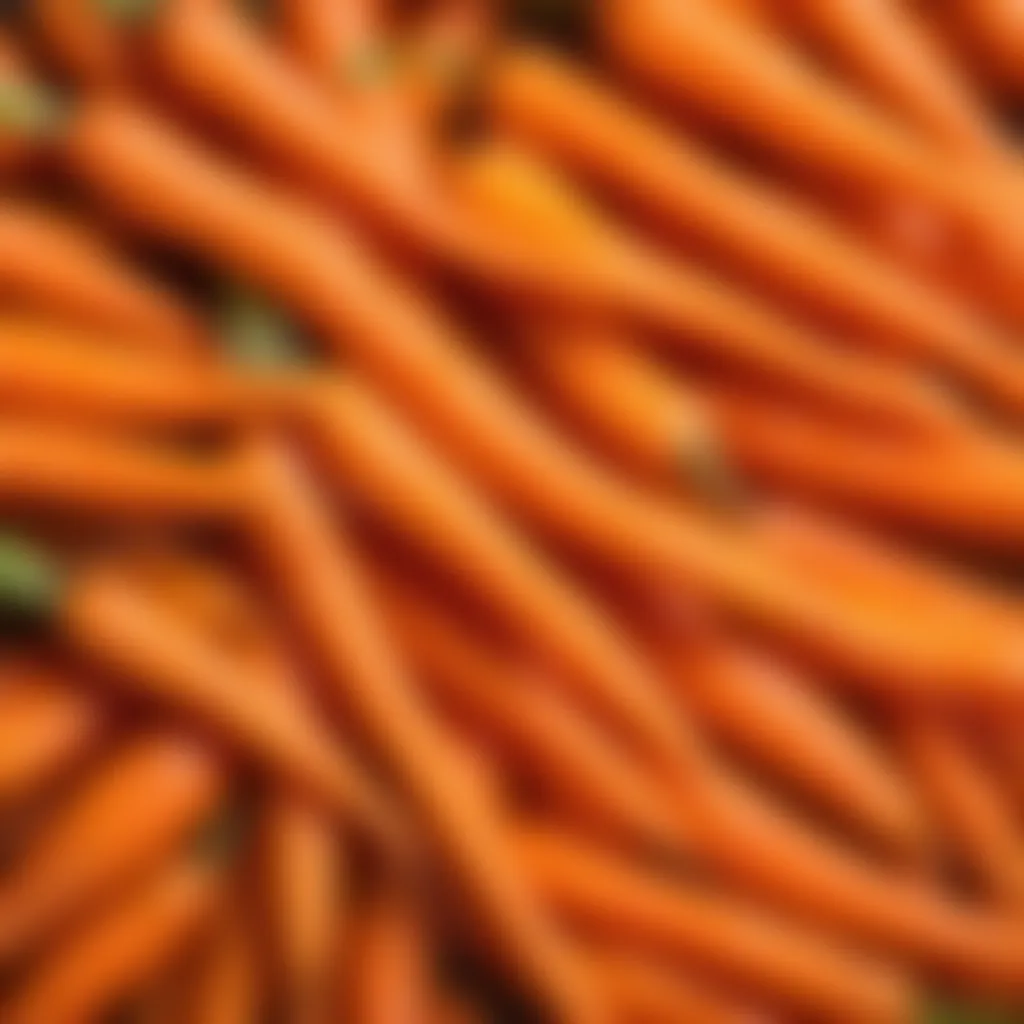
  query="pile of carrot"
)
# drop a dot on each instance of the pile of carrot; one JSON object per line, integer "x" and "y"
{"x": 511, "y": 511}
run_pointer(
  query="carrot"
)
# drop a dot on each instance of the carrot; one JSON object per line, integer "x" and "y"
{"x": 698, "y": 57}
{"x": 47, "y": 725}
{"x": 957, "y": 494}
{"x": 388, "y": 971}
{"x": 67, "y": 373}
{"x": 316, "y": 578}
{"x": 201, "y": 205}
{"x": 685, "y": 924}
{"x": 227, "y": 990}
{"x": 761, "y": 231}
{"x": 700, "y": 313}
{"x": 579, "y": 769}
{"x": 884, "y": 49}
{"x": 80, "y": 40}
{"x": 980, "y": 831}
{"x": 109, "y": 623}
{"x": 107, "y": 958}
{"x": 770, "y": 716}
{"x": 51, "y": 264}
{"x": 45, "y": 466}
{"x": 644, "y": 991}
{"x": 136, "y": 808}
{"x": 990, "y": 35}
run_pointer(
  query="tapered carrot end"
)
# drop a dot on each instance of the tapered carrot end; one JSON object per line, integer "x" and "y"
{"x": 30, "y": 583}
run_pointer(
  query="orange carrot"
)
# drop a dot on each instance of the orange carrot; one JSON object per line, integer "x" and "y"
{"x": 201, "y": 205}
{"x": 47, "y": 725}
{"x": 770, "y": 716}
{"x": 317, "y": 580}
{"x": 45, "y": 466}
{"x": 990, "y": 35}
{"x": 680, "y": 921}
{"x": 881, "y": 46}
{"x": 50, "y": 264}
{"x": 980, "y": 831}
{"x": 136, "y": 808}
{"x": 111, "y": 956}
{"x": 579, "y": 769}
{"x": 81, "y": 41}
{"x": 769, "y": 236}
{"x": 71, "y": 374}
{"x": 388, "y": 970}
{"x": 227, "y": 990}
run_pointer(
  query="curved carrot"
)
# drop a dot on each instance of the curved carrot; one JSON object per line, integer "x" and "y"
{"x": 227, "y": 990}
{"x": 770, "y": 237}
{"x": 45, "y": 465}
{"x": 770, "y": 716}
{"x": 81, "y": 41}
{"x": 97, "y": 612}
{"x": 200, "y": 204}
{"x": 388, "y": 970}
{"x": 978, "y": 829}
{"x": 136, "y": 808}
{"x": 106, "y": 959}
{"x": 316, "y": 577}
{"x": 69, "y": 374}
{"x": 581, "y": 771}
{"x": 47, "y": 725}
{"x": 882, "y": 47}
{"x": 688, "y": 925}
{"x": 50, "y": 264}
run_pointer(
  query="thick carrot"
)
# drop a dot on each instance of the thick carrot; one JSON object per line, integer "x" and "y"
{"x": 577, "y": 767}
{"x": 200, "y": 204}
{"x": 883, "y": 48}
{"x": 81, "y": 41}
{"x": 55, "y": 266}
{"x": 100, "y": 615}
{"x": 746, "y": 79}
{"x": 770, "y": 716}
{"x": 70, "y": 374}
{"x": 760, "y": 230}
{"x": 135, "y": 809}
{"x": 644, "y": 991}
{"x": 228, "y": 989}
{"x": 979, "y": 830}
{"x": 317, "y": 579}
{"x": 46, "y": 466}
{"x": 694, "y": 926}
{"x": 388, "y": 969}
{"x": 108, "y": 958}
{"x": 48, "y": 724}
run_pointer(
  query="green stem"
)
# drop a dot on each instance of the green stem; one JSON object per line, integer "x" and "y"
{"x": 257, "y": 335}
{"x": 708, "y": 470}
{"x": 129, "y": 12}
{"x": 31, "y": 583}
{"x": 31, "y": 111}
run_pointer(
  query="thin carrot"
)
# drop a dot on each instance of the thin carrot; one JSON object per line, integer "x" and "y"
{"x": 692, "y": 926}
{"x": 882, "y": 46}
{"x": 317, "y": 579}
{"x": 388, "y": 970}
{"x": 200, "y": 204}
{"x": 765, "y": 233}
{"x": 110, "y": 623}
{"x": 51, "y": 264}
{"x": 77, "y": 37}
{"x": 48, "y": 724}
{"x": 136, "y": 808}
{"x": 990, "y": 36}
{"x": 581, "y": 771}
{"x": 107, "y": 958}
{"x": 228, "y": 990}
{"x": 44, "y": 466}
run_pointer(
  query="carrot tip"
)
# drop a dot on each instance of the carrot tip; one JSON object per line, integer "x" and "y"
{"x": 30, "y": 583}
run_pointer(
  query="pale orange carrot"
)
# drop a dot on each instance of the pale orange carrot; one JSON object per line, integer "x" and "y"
{"x": 140, "y": 805}
{"x": 106, "y": 959}
{"x": 55, "y": 266}
{"x": 316, "y": 577}
{"x": 690, "y": 925}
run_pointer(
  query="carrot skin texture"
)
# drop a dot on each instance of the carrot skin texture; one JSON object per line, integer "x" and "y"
{"x": 106, "y": 959}
{"x": 291, "y": 529}
{"x": 227, "y": 990}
